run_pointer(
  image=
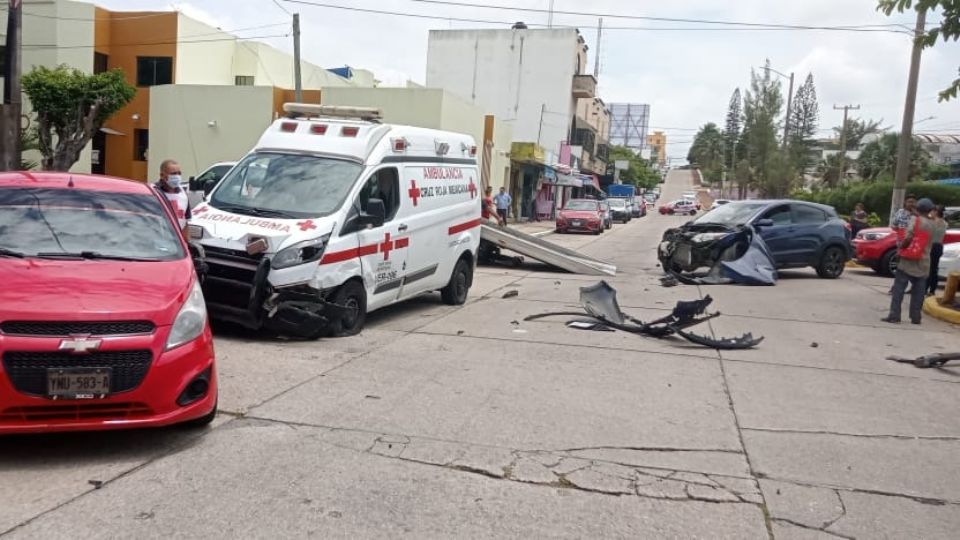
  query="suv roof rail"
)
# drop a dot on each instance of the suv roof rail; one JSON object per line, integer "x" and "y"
{"x": 368, "y": 114}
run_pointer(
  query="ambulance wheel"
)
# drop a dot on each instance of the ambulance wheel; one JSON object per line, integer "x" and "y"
{"x": 353, "y": 296}
{"x": 455, "y": 293}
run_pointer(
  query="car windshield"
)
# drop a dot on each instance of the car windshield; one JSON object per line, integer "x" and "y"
{"x": 618, "y": 203}
{"x": 734, "y": 213}
{"x": 286, "y": 185}
{"x": 581, "y": 205}
{"x": 88, "y": 224}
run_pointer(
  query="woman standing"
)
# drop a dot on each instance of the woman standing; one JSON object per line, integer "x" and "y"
{"x": 936, "y": 247}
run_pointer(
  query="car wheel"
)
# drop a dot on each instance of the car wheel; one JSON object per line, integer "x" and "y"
{"x": 832, "y": 262}
{"x": 888, "y": 263}
{"x": 559, "y": 231}
{"x": 455, "y": 293}
{"x": 352, "y": 296}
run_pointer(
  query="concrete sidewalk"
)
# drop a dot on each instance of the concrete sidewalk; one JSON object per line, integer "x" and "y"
{"x": 535, "y": 228}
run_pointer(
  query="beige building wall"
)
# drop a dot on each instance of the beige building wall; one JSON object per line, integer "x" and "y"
{"x": 201, "y": 125}
{"x": 201, "y": 58}
{"x": 430, "y": 108}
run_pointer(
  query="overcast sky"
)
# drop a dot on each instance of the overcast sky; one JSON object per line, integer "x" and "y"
{"x": 686, "y": 71}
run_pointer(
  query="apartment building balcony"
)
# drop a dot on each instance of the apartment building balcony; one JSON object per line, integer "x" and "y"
{"x": 584, "y": 86}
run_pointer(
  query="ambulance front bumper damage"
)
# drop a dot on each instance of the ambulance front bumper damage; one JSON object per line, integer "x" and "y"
{"x": 241, "y": 293}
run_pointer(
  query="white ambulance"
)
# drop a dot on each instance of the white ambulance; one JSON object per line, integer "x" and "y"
{"x": 334, "y": 214}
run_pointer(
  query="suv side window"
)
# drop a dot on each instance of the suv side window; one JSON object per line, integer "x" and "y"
{"x": 952, "y": 218}
{"x": 780, "y": 215}
{"x": 808, "y": 214}
{"x": 384, "y": 185}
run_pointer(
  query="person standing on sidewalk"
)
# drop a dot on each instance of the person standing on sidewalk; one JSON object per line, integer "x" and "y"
{"x": 503, "y": 201}
{"x": 936, "y": 248}
{"x": 489, "y": 210}
{"x": 903, "y": 218}
{"x": 169, "y": 186}
{"x": 914, "y": 265}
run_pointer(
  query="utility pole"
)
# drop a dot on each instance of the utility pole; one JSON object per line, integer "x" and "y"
{"x": 543, "y": 109}
{"x": 550, "y": 16}
{"x": 11, "y": 108}
{"x": 905, "y": 144}
{"x": 298, "y": 84}
{"x": 596, "y": 62}
{"x": 843, "y": 139}
{"x": 786, "y": 123}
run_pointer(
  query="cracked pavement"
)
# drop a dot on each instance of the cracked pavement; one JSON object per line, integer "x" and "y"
{"x": 443, "y": 421}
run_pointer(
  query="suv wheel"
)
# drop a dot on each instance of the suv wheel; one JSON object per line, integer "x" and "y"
{"x": 831, "y": 263}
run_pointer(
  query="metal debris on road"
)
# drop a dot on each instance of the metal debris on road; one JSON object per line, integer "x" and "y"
{"x": 599, "y": 301}
{"x": 510, "y": 294}
{"x": 927, "y": 361}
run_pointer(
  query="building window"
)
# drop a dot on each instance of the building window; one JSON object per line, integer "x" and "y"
{"x": 141, "y": 143}
{"x": 243, "y": 80}
{"x": 3, "y": 61}
{"x": 154, "y": 70}
{"x": 100, "y": 62}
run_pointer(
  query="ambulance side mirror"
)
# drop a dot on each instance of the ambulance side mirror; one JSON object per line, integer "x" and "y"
{"x": 375, "y": 215}
{"x": 193, "y": 184}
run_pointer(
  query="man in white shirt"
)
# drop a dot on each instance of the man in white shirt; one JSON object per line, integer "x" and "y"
{"x": 169, "y": 184}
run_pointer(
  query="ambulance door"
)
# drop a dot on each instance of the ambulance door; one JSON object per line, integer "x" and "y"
{"x": 382, "y": 250}
{"x": 433, "y": 210}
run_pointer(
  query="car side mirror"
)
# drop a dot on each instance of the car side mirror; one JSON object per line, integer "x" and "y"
{"x": 375, "y": 215}
{"x": 193, "y": 184}
{"x": 763, "y": 223}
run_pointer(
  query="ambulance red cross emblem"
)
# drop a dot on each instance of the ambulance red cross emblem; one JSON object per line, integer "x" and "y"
{"x": 306, "y": 225}
{"x": 414, "y": 192}
{"x": 200, "y": 210}
{"x": 473, "y": 189}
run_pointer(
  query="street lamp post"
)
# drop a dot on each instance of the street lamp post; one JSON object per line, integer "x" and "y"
{"x": 786, "y": 123}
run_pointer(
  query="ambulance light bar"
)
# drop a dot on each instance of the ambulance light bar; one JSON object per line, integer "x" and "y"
{"x": 369, "y": 114}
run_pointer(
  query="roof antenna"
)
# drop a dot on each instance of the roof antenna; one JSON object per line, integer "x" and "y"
{"x": 70, "y": 182}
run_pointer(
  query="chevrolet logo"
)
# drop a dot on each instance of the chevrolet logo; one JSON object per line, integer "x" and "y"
{"x": 80, "y": 345}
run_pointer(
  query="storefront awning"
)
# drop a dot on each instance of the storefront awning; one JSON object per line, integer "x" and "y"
{"x": 591, "y": 181}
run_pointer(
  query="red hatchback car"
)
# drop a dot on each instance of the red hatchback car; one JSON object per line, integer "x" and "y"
{"x": 102, "y": 320}
{"x": 581, "y": 215}
{"x": 877, "y": 248}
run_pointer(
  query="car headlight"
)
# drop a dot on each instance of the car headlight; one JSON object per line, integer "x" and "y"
{"x": 871, "y": 236}
{"x": 300, "y": 253}
{"x": 191, "y": 320}
{"x": 707, "y": 237}
{"x": 195, "y": 232}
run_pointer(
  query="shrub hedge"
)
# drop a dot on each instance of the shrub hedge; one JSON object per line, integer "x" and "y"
{"x": 876, "y": 197}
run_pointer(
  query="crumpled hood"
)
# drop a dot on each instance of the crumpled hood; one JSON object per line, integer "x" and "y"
{"x": 76, "y": 290}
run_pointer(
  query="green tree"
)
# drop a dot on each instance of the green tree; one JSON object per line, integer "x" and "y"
{"x": 707, "y": 152}
{"x": 948, "y": 29}
{"x": 804, "y": 120}
{"x": 28, "y": 141}
{"x": 880, "y": 156}
{"x": 829, "y": 171}
{"x": 71, "y": 106}
{"x": 731, "y": 133}
{"x": 762, "y": 105}
{"x": 857, "y": 130}
{"x": 638, "y": 173}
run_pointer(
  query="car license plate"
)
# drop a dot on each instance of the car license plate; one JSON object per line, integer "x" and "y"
{"x": 576, "y": 223}
{"x": 78, "y": 383}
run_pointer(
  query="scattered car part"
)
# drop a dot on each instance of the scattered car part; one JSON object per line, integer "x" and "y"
{"x": 927, "y": 361}
{"x": 599, "y": 303}
{"x": 733, "y": 255}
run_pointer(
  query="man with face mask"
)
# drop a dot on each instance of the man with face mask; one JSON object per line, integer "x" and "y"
{"x": 169, "y": 185}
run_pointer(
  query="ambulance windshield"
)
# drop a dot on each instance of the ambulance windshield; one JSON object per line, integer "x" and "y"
{"x": 288, "y": 186}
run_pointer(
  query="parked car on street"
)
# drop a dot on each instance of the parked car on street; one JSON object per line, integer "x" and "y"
{"x": 103, "y": 323}
{"x": 607, "y": 213}
{"x": 876, "y": 248}
{"x": 798, "y": 234}
{"x": 581, "y": 215}
{"x": 680, "y": 206}
{"x": 621, "y": 209}
{"x": 719, "y": 202}
{"x": 204, "y": 182}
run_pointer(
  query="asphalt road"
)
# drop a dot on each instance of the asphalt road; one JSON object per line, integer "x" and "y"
{"x": 468, "y": 422}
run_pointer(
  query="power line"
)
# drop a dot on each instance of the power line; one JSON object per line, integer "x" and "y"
{"x": 279, "y": 5}
{"x": 176, "y": 42}
{"x": 633, "y": 28}
{"x": 665, "y": 19}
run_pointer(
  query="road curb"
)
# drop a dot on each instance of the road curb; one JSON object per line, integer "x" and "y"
{"x": 542, "y": 233}
{"x": 944, "y": 313}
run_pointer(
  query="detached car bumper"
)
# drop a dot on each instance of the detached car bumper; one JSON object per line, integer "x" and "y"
{"x": 162, "y": 384}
